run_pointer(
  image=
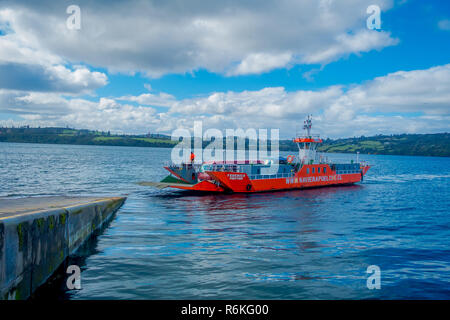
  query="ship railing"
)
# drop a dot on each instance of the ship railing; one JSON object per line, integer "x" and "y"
{"x": 303, "y": 136}
{"x": 171, "y": 164}
{"x": 271, "y": 176}
{"x": 222, "y": 167}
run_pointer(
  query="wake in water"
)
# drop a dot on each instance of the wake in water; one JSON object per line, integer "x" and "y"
{"x": 402, "y": 178}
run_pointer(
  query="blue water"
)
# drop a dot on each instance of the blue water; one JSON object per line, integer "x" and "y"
{"x": 309, "y": 244}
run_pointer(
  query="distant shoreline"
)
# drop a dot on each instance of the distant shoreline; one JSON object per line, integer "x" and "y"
{"x": 102, "y": 145}
{"x": 433, "y": 145}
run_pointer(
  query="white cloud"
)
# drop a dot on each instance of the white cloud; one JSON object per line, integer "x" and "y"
{"x": 44, "y": 109}
{"x": 39, "y": 98}
{"x": 345, "y": 44}
{"x": 234, "y": 37}
{"x": 426, "y": 91}
{"x": 107, "y": 114}
{"x": 81, "y": 77}
{"x": 26, "y": 65}
{"x": 49, "y": 78}
{"x": 422, "y": 96}
{"x": 160, "y": 100}
{"x": 415, "y": 101}
{"x": 444, "y": 24}
{"x": 257, "y": 63}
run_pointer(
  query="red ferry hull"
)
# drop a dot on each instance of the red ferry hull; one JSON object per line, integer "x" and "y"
{"x": 240, "y": 182}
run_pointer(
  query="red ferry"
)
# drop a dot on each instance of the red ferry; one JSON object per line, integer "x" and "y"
{"x": 307, "y": 170}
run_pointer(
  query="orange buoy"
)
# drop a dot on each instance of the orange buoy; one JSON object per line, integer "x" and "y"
{"x": 290, "y": 158}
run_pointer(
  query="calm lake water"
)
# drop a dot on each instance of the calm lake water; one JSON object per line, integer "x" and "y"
{"x": 309, "y": 244}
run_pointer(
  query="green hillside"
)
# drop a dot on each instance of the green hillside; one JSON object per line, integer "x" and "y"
{"x": 404, "y": 144}
{"x": 82, "y": 137}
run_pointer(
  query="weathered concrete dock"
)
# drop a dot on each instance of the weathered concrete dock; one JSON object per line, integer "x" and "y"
{"x": 37, "y": 234}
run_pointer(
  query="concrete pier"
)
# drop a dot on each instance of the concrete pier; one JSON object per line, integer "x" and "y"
{"x": 38, "y": 234}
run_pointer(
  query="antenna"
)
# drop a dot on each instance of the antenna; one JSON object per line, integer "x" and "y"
{"x": 307, "y": 125}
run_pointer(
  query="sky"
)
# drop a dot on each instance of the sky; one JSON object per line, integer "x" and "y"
{"x": 154, "y": 66}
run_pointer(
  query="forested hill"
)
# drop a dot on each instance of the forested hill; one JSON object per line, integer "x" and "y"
{"x": 83, "y": 137}
{"x": 404, "y": 144}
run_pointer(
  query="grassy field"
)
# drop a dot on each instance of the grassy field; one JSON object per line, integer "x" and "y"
{"x": 106, "y": 138}
{"x": 154, "y": 140}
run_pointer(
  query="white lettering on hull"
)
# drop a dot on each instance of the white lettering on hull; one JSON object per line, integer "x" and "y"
{"x": 336, "y": 177}
{"x": 235, "y": 176}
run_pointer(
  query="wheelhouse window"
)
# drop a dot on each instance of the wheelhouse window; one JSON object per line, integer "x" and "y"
{"x": 307, "y": 170}
{"x": 324, "y": 169}
{"x": 313, "y": 170}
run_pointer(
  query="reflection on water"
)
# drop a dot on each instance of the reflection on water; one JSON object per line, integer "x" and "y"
{"x": 308, "y": 244}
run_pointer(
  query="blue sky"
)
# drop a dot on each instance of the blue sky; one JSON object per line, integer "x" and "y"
{"x": 257, "y": 67}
